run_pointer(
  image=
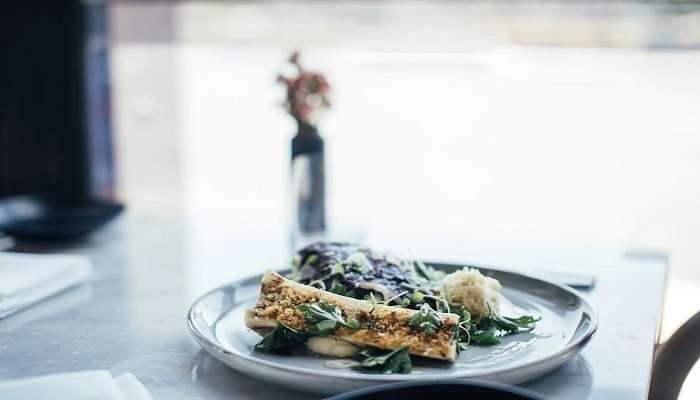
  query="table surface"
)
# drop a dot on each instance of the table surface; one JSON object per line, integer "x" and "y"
{"x": 130, "y": 317}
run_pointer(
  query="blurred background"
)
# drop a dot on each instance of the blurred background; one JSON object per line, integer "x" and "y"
{"x": 566, "y": 124}
{"x": 458, "y": 129}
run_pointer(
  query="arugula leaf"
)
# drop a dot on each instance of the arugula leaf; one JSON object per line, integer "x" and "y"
{"x": 464, "y": 314}
{"x": 396, "y": 362}
{"x": 484, "y": 338}
{"x": 296, "y": 268}
{"x": 359, "y": 262}
{"x": 509, "y": 324}
{"x": 325, "y": 318}
{"x": 337, "y": 269}
{"x": 311, "y": 260}
{"x": 490, "y": 328}
{"x": 280, "y": 339}
{"x": 524, "y": 322}
{"x": 339, "y": 289}
{"x": 422, "y": 270}
{"x": 324, "y": 328}
{"x": 426, "y": 319}
{"x": 426, "y": 272}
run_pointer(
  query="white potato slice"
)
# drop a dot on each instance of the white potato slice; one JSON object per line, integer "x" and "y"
{"x": 332, "y": 347}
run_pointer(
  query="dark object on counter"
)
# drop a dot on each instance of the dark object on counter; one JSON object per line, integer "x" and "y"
{"x": 441, "y": 390}
{"x": 47, "y": 217}
{"x": 55, "y": 130}
{"x": 674, "y": 359}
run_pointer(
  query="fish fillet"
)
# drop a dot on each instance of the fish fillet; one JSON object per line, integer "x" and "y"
{"x": 383, "y": 327}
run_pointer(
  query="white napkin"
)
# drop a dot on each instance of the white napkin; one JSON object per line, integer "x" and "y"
{"x": 28, "y": 278}
{"x": 5, "y": 242}
{"x": 84, "y": 385}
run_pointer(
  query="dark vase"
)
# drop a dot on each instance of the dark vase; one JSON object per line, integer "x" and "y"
{"x": 308, "y": 181}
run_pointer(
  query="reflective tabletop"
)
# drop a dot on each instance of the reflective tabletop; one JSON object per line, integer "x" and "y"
{"x": 148, "y": 269}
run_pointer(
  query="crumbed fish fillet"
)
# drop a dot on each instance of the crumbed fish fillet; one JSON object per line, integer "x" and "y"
{"x": 384, "y": 327}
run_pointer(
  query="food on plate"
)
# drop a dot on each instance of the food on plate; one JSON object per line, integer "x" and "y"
{"x": 358, "y": 272}
{"x": 480, "y": 294}
{"x": 331, "y": 346}
{"x": 320, "y": 313}
{"x": 345, "y": 300}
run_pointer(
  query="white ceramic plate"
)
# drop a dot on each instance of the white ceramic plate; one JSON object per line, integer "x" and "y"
{"x": 568, "y": 323}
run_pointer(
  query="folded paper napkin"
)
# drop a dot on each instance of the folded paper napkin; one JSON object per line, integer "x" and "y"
{"x": 28, "y": 278}
{"x": 83, "y": 385}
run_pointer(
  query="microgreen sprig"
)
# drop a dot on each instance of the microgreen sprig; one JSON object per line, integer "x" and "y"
{"x": 426, "y": 319}
{"x": 397, "y": 362}
{"x": 325, "y": 319}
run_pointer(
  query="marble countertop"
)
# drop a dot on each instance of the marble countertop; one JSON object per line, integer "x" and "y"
{"x": 130, "y": 317}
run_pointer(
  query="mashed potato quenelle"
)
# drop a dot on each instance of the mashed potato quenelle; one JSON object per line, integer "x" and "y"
{"x": 473, "y": 290}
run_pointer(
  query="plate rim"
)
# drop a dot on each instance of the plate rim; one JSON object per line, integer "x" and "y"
{"x": 557, "y": 358}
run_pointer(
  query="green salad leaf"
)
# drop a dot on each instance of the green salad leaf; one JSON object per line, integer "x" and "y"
{"x": 510, "y": 325}
{"x": 359, "y": 262}
{"x": 524, "y": 322}
{"x": 394, "y": 362}
{"x": 311, "y": 260}
{"x": 464, "y": 314}
{"x": 426, "y": 272}
{"x": 339, "y": 289}
{"x": 325, "y": 319}
{"x": 491, "y": 328}
{"x": 295, "y": 263}
{"x": 426, "y": 319}
{"x": 281, "y": 339}
{"x": 484, "y": 338}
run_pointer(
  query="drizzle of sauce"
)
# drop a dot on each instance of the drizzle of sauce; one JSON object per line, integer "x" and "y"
{"x": 340, "y": 363}
{"x": 499, "y": 353}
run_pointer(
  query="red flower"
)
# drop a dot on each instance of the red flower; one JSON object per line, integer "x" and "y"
{"x": 307, "y": 93}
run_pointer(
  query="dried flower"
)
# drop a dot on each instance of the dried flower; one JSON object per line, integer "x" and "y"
{"x": 307, "y": 93}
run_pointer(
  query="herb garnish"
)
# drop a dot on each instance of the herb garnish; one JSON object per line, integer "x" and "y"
{"x": 311, "y": 260}
{"x": 359, "y": 262}
{"x": 426, "y": 319}
{"x": 422, "y": 270}
{"x": 483, "y": 338}
{"x": 417, "y": 297}
{"x": 428, "y": 273}
{"x": 338, "y": 269}
{"x": 325, "y": 318}
{"x": 396, "y": 362}
{"x": 281, "y": 339}
{"x": 513, "y": 325}
{"x": 464, "y": 314}
{"x": 296, "y": 266}
{"x": 491, "y": 327}
{"x": 341, "y": 290}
